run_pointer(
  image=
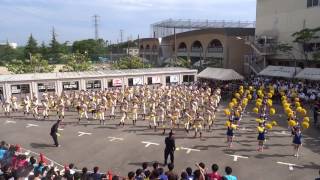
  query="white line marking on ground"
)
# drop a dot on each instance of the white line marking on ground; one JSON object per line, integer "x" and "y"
{"x": 282, "y": 133}
{"x": 83, "y": 133}
{"x": 149, "y": 143}
{"x": 31, "y": 125}
{"x": 10, "y": 122}
{"x": 235, "y": 157}
{"x": 190, "y": 149}
{"x": 115, "y": 139}
{"x": 245, "y": 129}
{"x": 52, "y": 161}
{"x": 289, "y": 165}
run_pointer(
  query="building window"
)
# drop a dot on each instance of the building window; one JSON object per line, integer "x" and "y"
{"x": 188, "y": 78}
{"x": 93, "y": 84}
{"x": 130, "y": 82}
{"x": 312, "y": 3}
{"x": 73, "y": 85}
{"x": 149, "y": 80}
{"x": 20, "y": 89}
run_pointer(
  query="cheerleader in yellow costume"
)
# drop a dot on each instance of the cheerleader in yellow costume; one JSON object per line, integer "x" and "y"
{"x": 261, "y": 137}
{"x": 83, "y": 111}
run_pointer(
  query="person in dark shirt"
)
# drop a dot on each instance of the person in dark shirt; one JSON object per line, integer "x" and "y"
{"x": 54, "y": 131}
{"x": 170, "y": 148}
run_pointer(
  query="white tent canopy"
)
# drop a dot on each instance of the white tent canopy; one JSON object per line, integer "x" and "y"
{"x": 309, "y": 73}
{"x": 220, "y": 74}
{"x": 280, "y": 71}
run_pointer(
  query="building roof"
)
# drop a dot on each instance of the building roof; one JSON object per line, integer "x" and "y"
{"x": 220, "y": 74}
{"x": 309, "y": 73}
{"x": 280, "y": 71}
{"x": 225, "y": 31}
{"x": 91, "y": 74}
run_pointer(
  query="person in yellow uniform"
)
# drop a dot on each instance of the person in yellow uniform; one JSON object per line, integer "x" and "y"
{"x": 197, "y": 125}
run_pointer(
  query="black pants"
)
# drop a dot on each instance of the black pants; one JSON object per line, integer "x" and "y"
{"x": 166, "y": 154}
{"x": 55, "y": 139}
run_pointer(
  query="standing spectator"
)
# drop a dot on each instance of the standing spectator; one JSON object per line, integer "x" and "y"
{"x": 214, "y": 175}
{"x": 171, "y": 174}
{"x": 170, "y": 148}
{"x": 184, "y": 176}
{"x": 228, "y": 175}
{"x": 144, "y": 167}
{"x": 96, "y": 175}
{"x": 147, "y": 174}
{"x": 318, "y": 177}
{"x": 189, "y": 172}
{"x": 84, "y": 174}
{"x": 154, "y": 173}
{"x": 316, "y": 110}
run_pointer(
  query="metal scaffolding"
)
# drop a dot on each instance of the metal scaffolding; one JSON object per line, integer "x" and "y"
{"x": 167, "y": 27}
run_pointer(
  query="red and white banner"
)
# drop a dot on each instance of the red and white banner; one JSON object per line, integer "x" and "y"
{"x": 117, "y": 82}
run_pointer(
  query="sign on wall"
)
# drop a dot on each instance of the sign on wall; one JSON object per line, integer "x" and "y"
{"x": 174, "y": 79}
{"x": 137, "y": 81}
{"x": 117, "y": 82}
{"x": 49, "y": 87}
{"x": 156, "y": 80}
{"x": 73, "y": 85}
{"x": 93, "y": 84}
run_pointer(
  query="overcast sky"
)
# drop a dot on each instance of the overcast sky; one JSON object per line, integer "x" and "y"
{"x": 73, "y": 20}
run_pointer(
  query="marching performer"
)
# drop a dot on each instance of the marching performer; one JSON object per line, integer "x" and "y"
{"x": 100, "y": 113}
{"x": 7, "y": 106}
{"x": 35, "y": 106}
{"x": 124, "y": 111}
{"x": 45, "y": 109}
{"x": 14, "y": 104}
{"x": 26, "y": 105}
{"x": 61, "y": 109}
{"x": 134, "y": 113}
{"x": 197, "y": 125}
{"x": 83, "y": 111}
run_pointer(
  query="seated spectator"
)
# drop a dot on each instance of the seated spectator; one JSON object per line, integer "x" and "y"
{"x": 38, "y": 168}
{"x": 147, "y": 174}
{"x": 184, "y": 176}
{"x": 131, "y": 175}
{"x": 214, "y": 175}
{"x": 6, "y": 172}
{"x": 189, "y": 172}
{"x": 162, "y": 176}
{"x": 144, "y": 167}
{"x": 154, "y": 173}
{"x": 228, "y": 175}
{"x": 171, "y": 174}
{"x": 139, "y": 175}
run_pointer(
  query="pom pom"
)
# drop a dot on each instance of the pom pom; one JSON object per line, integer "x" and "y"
{"x": 227, "y": 112}
{"x": 298, "y": 104}
{"x": 306, "y": 119}
{"x": 269, "y": 126}
{"x": 237, "y": 95}
{"x": 296, "y": 99}
{"x": 255, "y": 110}
{"x": 250, "y": 88}
{"x": 305, "y": 125}
{"x": 233, "y": 126}
{"x": 292, "y": 123}
{"x": 258, "y": 104}
{"x": 260, "y": 129}
{"x": 227, "y": 124}
{"x": 272, "y": 111}
{"x": 259, "y": 120}
{"x": 231, "y": 105}
{"x": 249, "y": 97}
{"x": 303, "y": 112}
{"x": 274, "y": 123}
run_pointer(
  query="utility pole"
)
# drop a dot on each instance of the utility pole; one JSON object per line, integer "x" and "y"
{"x": 96, "y": 26}
{"x": 121, "y": 35}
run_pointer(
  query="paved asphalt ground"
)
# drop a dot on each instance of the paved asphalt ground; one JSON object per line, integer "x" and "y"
{"x": 122, "y": 156}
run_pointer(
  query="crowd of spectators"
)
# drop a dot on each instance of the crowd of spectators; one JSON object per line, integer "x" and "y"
{"x": 17, "y": 165}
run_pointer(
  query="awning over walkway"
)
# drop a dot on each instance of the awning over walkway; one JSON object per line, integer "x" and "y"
{"x": 309, "y": 73}
{"x": 220, "y": 74}
{"x": 280, "y": 71}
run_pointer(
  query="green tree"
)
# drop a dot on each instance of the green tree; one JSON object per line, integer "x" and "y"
{"x": 35, "y": 64}
{"x": 76, "y": 62}
{"x": 130, "y": 63}
{"x": 94, "y": 48}
{"x": 31, "y": 47}
{"x": 7, "y": 54}
{"x": 304, "y": 37}
{"x": 55, "y": 49}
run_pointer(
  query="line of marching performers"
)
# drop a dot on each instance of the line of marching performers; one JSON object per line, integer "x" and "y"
{"x": 164, "y": 107}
